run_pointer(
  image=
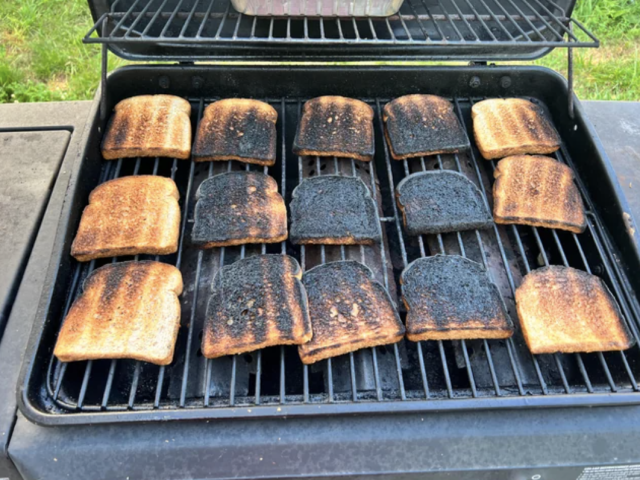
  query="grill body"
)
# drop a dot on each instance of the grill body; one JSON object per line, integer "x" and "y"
{"x": 406, "y": 378}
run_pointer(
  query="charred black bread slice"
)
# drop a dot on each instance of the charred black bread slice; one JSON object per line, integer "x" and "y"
{"x": 237, "y": 129}
{"x": 440, "y": 202}
{"x": 334, "y": 210}
{"x": 239, "y": 207}
{"x": 335, "y": 126}
{"x": 256, "y": 302}
{"x": 419, "y": 125}
{"x": 349, "y": 310}
{"x": 449, "y": 297}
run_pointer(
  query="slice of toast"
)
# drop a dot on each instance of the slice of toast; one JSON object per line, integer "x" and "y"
{"x": 419, "y": 125}
{"x": 440, "y": 202}
{"x": 512, "y": 126}
{"x": 236, "y": 208}
{"x": 562, "y": 309}
{"x": 257, "y": 302}
{"x": 348, "y": 311}
{"x": 449, "y": 297}
{"x": 128, "y": 216}
{"x": 237, "y": 129}
{"x": 149, "y": 126}
{"x": 126, "y": 310}
{"x": 537, "y": 191}
{"x": 334, "y": 210}
{"x": 333, "y": 126}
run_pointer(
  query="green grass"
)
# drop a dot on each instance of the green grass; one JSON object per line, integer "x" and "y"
{"x": 42, "y": 57}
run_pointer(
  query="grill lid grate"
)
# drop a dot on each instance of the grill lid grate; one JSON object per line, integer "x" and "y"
{"x": 406, "y": 376}
{"x": 189, "y": 30}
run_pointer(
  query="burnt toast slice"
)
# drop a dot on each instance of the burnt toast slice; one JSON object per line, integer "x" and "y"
{"x": 349, "y": 310}
{"x": 126, "y": 310}
{"x": 449, "y": 297}
{"x": 129, "y": 216}
{"x": 239, "y": 207}
{"x": 237, "y": 129}
{"x": 334, "y": 210}
{"x": 149, "y": 126}
{"x": 420, "y": 125}
{"x": 538, "y": 191}
{"x": 440, "y": 202}
{"x": 334, "y": 126}
{"x": 562, "y": 309}
{"x": 256, "y": 302}
{"x": 512, "y": 126}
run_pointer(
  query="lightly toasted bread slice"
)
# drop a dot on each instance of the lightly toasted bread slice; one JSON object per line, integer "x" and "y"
{"x": 237, "y": 129}
{"x": 129, "y": 216}
{"x": 348, "y": 310}
{"x": 440, "y": 202}
{"x": 126, "y": 310}
{"x": 449, "y": 297}
{"x": 256, "y": 302}
{"x": 420, "y": 125}
{"x": 236, "y": 208}
{"x": 334, "y": 210}
{"x": 334, "y": 126}
{"x": 538, "y": 191}
{"x": 149, "y": 126}
{"x": 512, "y": 126}
{"x": 562, "y": 309}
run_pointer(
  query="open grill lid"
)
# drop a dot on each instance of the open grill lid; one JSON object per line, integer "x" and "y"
{"x": 201, "y": 30}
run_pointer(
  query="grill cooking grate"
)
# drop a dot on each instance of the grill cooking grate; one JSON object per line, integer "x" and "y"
{"x": 405, "y": 376}
{"x": 523, "y": 24}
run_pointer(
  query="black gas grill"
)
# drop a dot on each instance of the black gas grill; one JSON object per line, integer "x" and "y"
{"x": 271, "y": 385}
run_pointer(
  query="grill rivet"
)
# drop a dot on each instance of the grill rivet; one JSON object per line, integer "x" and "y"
{"x": 505, "y": 82}
{"x": 474, "y": 82}
{"x": 197, "y": 82}
{"x": 164, "y": 82}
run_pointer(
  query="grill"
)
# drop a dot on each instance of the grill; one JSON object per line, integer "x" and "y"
{"x": 437, "y": 28}
{"x": 433, "y": 375}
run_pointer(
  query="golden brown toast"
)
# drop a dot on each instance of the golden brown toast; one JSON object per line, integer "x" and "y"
{"x": 419, "y": 125}
{"x": 237, "y": 129}
{"x": 256, "y": 302}
{"x": 149, "y": 126}
{"x": 538, "y": 191}
{"x": 239, "y": 207}
{"x": 512, "y": 126}
{"x": 129, "y": 216}
{"x": 562, "y": 309}
{"x": 449, "y": 297}
{"x": 127, "y": 310}
{"x": 334, "y": 126}
{"x": 348, "y": 311}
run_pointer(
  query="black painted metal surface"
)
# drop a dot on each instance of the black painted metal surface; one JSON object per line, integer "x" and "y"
{"x": 431, "y": 376}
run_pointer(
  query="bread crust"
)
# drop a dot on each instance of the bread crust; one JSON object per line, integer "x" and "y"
{"x": 565, "y": 310}
{"x": 149, "y": 126}
{"x": 126, "y": 310}
{"x": 512, "y": 126}
{"x": 537, "y": 191}
{"x": 129, "y": 216}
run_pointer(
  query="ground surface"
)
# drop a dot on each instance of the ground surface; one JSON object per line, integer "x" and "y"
{"x": 42, "y": 57}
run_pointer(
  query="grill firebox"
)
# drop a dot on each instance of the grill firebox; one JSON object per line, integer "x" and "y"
{"x": 406, "y": 376}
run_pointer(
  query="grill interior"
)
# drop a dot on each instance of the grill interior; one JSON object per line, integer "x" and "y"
{"x": 196, "y": 28}
{"x": 411, "y": 375}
